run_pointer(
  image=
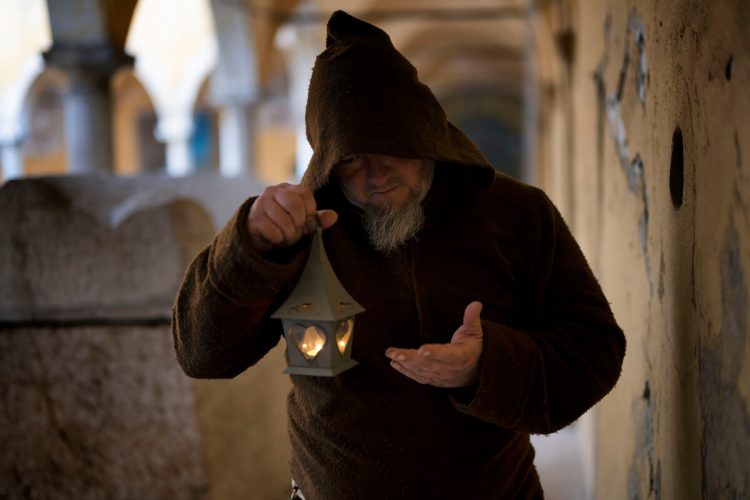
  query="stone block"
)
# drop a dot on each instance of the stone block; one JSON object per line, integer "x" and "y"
{"x": 102, "y": 247}
{"x": 92, "y": 401}
{"x": 96, "y": 412}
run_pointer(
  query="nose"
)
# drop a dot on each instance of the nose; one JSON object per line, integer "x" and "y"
{"x": 377, "y": 168}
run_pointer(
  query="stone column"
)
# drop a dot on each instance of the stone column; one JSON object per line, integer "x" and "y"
{"x": 16, "y": 78}
{"x": 87, "y": 102}
{"x": 301, "y": 42}
{"x": 234, "y": 139}
{"x": 12, "y": 160}
{"x": 234, "y": 85}
{"x": 174, "y": 130}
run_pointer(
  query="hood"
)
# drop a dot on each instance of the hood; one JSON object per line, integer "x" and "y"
{"x": 365, "y": 97}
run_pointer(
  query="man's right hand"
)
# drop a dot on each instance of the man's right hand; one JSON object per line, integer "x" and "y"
{"x": 284, "y": 213}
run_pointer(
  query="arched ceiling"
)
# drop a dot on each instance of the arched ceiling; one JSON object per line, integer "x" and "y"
{"x": 454, "y": 45}
{"x": 91, "y": 21}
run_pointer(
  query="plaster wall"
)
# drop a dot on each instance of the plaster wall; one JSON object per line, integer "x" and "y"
{"x": 660, "y": 187}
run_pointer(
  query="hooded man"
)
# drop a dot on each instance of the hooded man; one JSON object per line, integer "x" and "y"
{"x": 483, "y": 321}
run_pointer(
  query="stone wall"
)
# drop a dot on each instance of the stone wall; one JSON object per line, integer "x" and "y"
{"x": 92, "y": 401}
{"x": 654, "y": 181}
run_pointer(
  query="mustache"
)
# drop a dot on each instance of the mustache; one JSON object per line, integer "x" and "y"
{"x": 371, "y": 188}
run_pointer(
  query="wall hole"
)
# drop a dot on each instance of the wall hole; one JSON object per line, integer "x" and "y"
{"x": 676, "y": 169}
{"x": 729, "y": 69}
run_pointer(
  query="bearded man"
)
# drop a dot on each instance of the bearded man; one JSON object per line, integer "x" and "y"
{"x": 483, "y": 321}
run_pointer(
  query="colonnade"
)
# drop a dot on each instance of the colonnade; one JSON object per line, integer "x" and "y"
{"x": 89, "y": 49}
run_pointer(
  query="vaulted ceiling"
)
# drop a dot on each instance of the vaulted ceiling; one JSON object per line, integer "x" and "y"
{"x": 454, "y": 45}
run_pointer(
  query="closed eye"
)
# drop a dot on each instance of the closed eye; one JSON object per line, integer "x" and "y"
{"x": 349, "y": 159}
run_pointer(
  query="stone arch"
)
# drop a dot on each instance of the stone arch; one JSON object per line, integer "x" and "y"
{"x": 43, "y": 146}
{"x": 478, "y": 80}
{"x": 134, "y": 121}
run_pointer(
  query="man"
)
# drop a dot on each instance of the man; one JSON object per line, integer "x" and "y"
{"x": 483, "y": 321}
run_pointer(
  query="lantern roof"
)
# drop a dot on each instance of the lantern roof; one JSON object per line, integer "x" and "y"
{"x": 318, "y": 295}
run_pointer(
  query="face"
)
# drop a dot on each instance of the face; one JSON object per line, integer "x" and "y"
{"x": 379, "y": 182}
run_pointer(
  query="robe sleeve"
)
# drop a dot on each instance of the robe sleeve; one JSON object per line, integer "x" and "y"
{"x": 221, "y": 321}
{"x": 541, "y": 378}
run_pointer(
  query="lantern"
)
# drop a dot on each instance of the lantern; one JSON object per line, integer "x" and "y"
{"x": 318, "y": 319}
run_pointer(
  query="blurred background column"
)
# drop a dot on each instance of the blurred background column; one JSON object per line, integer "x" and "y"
{"x": 175, "y": 47}
{"x": 234, "y": 86}
{"x": 26, "y": 29}
{"x": 88, "y": 40}
{"x": 301, "y": 42}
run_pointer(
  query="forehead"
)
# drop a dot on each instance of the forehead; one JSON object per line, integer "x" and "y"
{"x": 356, "y": 161}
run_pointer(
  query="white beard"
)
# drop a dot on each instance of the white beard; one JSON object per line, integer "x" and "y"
{"x": 389, "y": 228}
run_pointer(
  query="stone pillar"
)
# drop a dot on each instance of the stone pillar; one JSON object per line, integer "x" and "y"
{"x": 87, "y": 45}
{"x": 174, "y": 130}
{"x": 530, "y": 119}
{"x": 234, "y": 139}
{"x": 234, "y": 85}
{"x": 94, "y": 404}
{"x": 11, "y": 160}
{"x": 301, "y": 43}
{"x": 87, "y": 103}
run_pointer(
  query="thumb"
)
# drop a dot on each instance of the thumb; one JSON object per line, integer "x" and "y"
{"x": 324, "y": 218}
{"x": 472, "y": 322}
{"x": 327, "y": 218}
{"x": 472, "y": 325}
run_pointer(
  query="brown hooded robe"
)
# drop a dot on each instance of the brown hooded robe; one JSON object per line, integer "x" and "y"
{"x": 551, "y": 345}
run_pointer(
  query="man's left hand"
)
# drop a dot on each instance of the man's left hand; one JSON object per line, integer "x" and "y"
{"x": 445, "y": 365}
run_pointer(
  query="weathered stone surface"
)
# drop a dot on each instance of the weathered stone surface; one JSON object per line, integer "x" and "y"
{"x": 659, "y": 195}
{"x": 92, "y": 401}
{"x": 96, "y": 412}
{"x": 80, "y": 248}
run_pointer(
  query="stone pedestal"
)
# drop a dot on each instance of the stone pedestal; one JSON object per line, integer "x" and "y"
{"x": 92, "y": 401}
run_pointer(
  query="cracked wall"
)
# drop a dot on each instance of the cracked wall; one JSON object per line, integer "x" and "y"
{"x": 660, "y": 188}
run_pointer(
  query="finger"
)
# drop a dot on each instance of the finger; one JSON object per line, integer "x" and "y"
{"x": 305, "y": 194}
{"x": 400, "y": 355}
{"x": 262, "y": 227}
{"x": 444, "y": 353}
{"x": 411, "y": 373}
{"x": 263, "y": 230}
{"x": 472, "y": 320}
{"x": 293, "y": 204}
{"x": 414, "y": 360}
{"x": 283, "y": 220}
{"x": 422, "y": 377}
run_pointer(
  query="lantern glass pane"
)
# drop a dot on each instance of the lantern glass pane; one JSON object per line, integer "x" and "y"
{"x": 310, "y": 339}
{"x": 344, "y": 333}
